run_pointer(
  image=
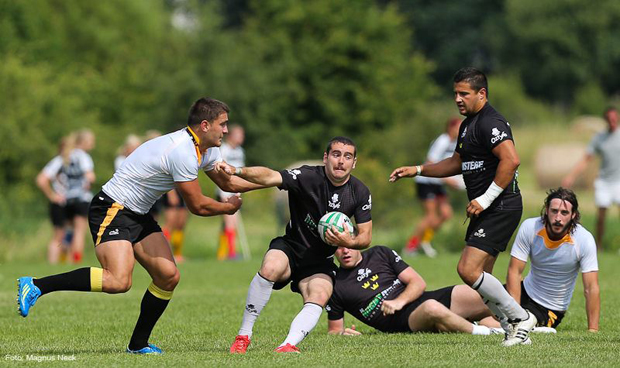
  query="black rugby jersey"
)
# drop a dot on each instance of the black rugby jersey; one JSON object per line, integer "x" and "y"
{"x": 361, "y": 290}
{"x": 478, "y": 135}
{"x": 311, "y": 195}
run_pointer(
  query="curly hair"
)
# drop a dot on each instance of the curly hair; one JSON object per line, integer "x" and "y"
{"x": 565, "y": 195}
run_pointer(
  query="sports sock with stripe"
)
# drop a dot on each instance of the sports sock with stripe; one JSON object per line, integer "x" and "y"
{"x": 82, "y": 279}
{"x": 153, "y": 305}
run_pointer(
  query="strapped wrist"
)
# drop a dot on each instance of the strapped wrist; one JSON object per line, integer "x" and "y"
{"x": 489, "y": 196}
{"x": 238, "y": 171}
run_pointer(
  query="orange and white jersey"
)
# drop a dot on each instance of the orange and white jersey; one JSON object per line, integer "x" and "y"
{"x": 554, "y": 265}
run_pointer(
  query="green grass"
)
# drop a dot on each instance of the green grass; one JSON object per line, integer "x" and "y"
{"x": 204, "y": 315}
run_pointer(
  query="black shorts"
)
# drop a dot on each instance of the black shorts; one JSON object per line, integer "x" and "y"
{"x": 545, "y": 316}
{"x": 400, "y": 319}
{"x": 491, "y": 231}
{"x": 430, "y": 191}
{"x": 166, "y": 202}
{"x": 302, "y": 267}
{"x": 57, "y": 215}
{"x": 61, "y": 214}
{"x": 75, "y": 207}
{"x": 109, "y": 221}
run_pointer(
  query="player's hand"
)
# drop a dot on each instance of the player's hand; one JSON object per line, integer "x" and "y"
{"x": 391, "y": 306}
{"x": 223, "y": 166}
{"x": 474, "y": 208}
{"x": 235, "y": 201}
{"x": 338, "y": 239}
{"x": 351, "y": 331}
{"x": 58, "y": 199}
{"x": 403, "y": 172}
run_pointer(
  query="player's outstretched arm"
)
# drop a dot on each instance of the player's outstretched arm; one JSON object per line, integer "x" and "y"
{"x": 260, "y": 175}
{"x": 415, "y": 287}
{"x": 200, "y": 205}
{"x": 513, "y": 279}
{"x": 444, "y": 168}
{"x": 593, "y": 299}
{"x": 231, "y": 183}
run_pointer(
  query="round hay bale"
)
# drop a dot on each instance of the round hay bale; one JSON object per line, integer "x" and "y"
{"x": 587, "y": 125}
{"x": 553, "y": 162}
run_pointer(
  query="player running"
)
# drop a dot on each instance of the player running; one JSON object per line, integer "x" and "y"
{"x": 300, "y": 257}
{"x": 486, "y": 156}
{"x": 124, "y": 232}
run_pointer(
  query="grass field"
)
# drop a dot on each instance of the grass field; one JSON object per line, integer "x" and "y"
{"x": 203, "y": 318}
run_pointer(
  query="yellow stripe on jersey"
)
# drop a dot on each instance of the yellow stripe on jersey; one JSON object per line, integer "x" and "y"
{"x": 553, "y": 244}
{"x": 160, "y": 293}
{"x": 109, "y": 216}
{"x": 196, "y": 144}
{"x": 96, "y": 279}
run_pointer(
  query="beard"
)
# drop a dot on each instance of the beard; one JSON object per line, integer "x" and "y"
{"x": 558, "y": 234}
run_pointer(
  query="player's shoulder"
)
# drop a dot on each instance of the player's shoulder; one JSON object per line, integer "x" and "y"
{"x": 358, "y": 184}
{"x": 532, "y": 223}
{"x": 583, "y": 236}
{"x": 490, "y": 116}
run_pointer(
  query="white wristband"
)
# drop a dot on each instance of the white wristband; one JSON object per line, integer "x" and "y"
{"x": 489, "y": 196}
{"x": 238, "y": 170}
{"x": 418, "y": 169}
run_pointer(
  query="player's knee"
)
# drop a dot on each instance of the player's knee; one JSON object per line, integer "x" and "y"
{"x": 170, "y": 278}
{"x": 271, "y": 271}
{"x": 434, "y": 310}
{"x": 467, "y": 274}
{"x": 118, "y": 285}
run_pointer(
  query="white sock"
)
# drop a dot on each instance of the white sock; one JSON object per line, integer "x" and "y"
{"x": 258, "y": 296}
{"x": 492, "y": 290}
{"x": 303, "y": 323}
{"x": 481, "y": 330}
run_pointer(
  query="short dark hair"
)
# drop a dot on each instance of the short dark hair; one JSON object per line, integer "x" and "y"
{"x": 206, "y": 108}
{"x": 610, "y": 109}
{"x": 476, "y": 79}
{"x": 343, "y": 140}
{"x": 565, "y": 195}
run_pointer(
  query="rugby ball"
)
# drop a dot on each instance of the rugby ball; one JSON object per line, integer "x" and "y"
{"x": 338, "y": 220}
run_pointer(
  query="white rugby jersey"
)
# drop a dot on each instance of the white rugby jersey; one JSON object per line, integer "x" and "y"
{"x": 70, "y": 180}
{"x": 153, "y": 168}
{"x": 554, "y": 265}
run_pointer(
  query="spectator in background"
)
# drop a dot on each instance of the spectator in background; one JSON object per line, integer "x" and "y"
{"x": 53, "y": 185}
{"x": 607, "y": 186}
{"x": 232, "y": 153}
{"x": 432, "y": 192}
{"x": 131, "y": 143}
{"x": 66, "y": 182}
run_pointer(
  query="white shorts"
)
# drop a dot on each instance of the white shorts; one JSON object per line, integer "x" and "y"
{"x": 606, "y": 193}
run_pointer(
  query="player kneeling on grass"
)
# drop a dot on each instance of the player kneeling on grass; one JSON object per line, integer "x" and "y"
{"x": 558, "y": 247}
{"x": 378, "y": 288}
{"x": 123, "y": 231}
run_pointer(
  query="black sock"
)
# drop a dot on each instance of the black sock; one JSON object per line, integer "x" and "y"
{"x": 150, "y": 310}
{"x": 76, "y": 280}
